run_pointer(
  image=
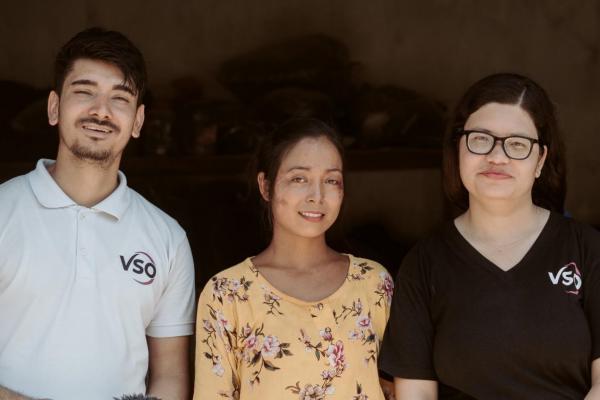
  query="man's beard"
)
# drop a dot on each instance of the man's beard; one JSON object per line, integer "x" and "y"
{"x": 84, "y": 153}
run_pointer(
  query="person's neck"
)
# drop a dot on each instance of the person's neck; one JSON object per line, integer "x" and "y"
{"x": 85, "y": 182}
{"x": 501, "y": 221}
{"x": 290, "y": 251}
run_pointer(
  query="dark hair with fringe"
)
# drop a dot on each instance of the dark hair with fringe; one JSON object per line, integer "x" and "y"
{"x": 103, "y": 45}
{"x": 549, "y": 190}
{"x": 275, "y": 146}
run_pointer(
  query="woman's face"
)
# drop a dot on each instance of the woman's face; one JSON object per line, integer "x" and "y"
{"x": 495, "y": 176}
{"x": 308, "y": 189}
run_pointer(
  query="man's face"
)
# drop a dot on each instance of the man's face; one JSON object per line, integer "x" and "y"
{"x": 96, "y": 112}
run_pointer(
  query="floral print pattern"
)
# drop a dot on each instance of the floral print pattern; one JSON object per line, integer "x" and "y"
{"x": 385, "y": 288}
{"x": 252, "y": 338}
{"x": 258, "y": 350}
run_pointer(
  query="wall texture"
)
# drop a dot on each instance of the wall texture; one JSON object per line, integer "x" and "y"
{"x": 437, "y": 47}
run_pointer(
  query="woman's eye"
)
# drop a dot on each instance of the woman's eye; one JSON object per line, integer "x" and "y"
{"x": 333, "y": 181}
{"x": 518, "y": 145}
{"x": 298, "y": 179}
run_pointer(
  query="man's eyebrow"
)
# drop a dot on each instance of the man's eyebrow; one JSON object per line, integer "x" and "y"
{"x": 124, "y": 88}
{"x": 88, "y": 82}
{"x": 84, "y": 82}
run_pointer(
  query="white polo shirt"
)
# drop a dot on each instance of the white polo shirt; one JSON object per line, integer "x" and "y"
{"x": 80, "y": 288}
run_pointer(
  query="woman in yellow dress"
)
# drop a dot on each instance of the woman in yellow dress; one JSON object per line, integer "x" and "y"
{"x": 299, "y": 320}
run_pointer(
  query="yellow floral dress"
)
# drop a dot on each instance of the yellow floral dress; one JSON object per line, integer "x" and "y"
{"x": 254, "y": 342}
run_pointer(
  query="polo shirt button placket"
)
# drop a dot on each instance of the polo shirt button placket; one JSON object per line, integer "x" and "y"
{"x": 85, "y": 268}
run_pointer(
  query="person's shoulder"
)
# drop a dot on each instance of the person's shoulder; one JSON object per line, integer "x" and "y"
{"x": 441, "y": 237}
{"x": 365, "y": 269}
{"x": 427, "y": 252}
{"x": 233, "y": 280}
{"x": 583, "y": 232}
{"x": 242, "y": 269}
{"x": 13, "y": 187}
{"x": 372, "y": 280}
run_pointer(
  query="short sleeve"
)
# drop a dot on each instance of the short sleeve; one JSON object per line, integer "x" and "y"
{"x": 217, "y": 376}
{"x": 174, "y": 314}
{"x": 591, "y": 285}
{"x": 384, "y": 292}
{"x": 408, "y": 340}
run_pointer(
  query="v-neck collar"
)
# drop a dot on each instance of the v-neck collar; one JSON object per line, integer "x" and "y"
{"x": 463, "y": 246}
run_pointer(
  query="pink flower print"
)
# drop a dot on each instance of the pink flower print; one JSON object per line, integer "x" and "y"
{"x": 217, "y": 368}
{"x": 305, "y": 339}
{"x": 386, "y": 286}
{"x": 219, "y": 286}
{"x": 251, "y": 342}
{"x": 250, "y": 347}
{"x": 269, "y": 295}
{"x": 335, "y": 354}
{"x": 270, "y": 346}
{"x": 363, "y": 322}
{"x": 354, "y": 335}
{"x": 312, "y": 392}
{"x": 234, "y": 285}
{"x": 326, "y": 334}
{"x": 222, "y": 323}
{"x": 328, "y": 374}
{"x": 358, "y": 306}
{"x": 207, "y": 325}
{"x": 246, "y": 330}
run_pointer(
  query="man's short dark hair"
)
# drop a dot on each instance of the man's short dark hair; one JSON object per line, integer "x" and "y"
{"x": 103, "y": 45}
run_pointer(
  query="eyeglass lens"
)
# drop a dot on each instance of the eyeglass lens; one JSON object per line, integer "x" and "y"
{"x": 514, "y": 147}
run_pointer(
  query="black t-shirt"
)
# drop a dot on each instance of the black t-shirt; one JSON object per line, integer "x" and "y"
{"x": 528, "y": 333}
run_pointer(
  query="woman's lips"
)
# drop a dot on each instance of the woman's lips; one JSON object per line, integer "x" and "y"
{"x": 496, "y": 175}
{"x": 312, "y": 216}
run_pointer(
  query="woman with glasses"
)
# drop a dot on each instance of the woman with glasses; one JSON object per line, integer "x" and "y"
{"x": 504, "y": 301}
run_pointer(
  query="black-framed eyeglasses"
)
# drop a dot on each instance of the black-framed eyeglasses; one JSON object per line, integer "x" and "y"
{"x": 515, "y": 147}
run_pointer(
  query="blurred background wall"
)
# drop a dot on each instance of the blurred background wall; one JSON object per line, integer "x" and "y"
{"x": 435, "y": 47}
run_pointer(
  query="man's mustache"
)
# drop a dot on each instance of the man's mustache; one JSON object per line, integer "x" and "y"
{"x": 96, "y": 121}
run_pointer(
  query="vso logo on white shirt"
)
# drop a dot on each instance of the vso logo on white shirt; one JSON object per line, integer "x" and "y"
{"x": 141, "y": 265}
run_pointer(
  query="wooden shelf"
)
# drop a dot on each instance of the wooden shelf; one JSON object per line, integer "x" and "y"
{"x": 233, "y": 165}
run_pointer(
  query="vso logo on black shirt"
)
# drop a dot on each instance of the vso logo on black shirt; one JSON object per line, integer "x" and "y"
{"x": 141, "y": 265}
{"x": 569, "y": 277}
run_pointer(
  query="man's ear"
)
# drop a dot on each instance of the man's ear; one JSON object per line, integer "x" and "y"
{"x": 53, "y": 106}
{"x": 263, "y": 186}
{"x": 139, "y": 121}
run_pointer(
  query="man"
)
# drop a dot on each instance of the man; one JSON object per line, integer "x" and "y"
{"x": 96, "y": 284}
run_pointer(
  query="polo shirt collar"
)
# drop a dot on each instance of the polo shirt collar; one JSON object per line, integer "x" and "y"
{"x": 50, "y": 195}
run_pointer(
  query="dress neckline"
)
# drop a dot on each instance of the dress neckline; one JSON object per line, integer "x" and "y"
{"x": 281, "y": 294}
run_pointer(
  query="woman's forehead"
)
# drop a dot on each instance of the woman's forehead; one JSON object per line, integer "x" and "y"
{"x": 312, "y": 152}
{"x": 502, "y": 119}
